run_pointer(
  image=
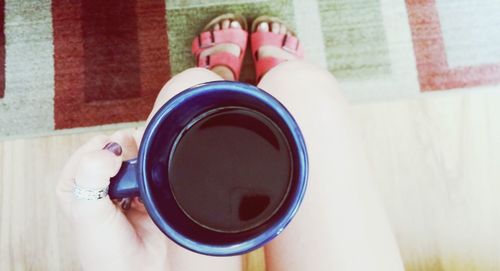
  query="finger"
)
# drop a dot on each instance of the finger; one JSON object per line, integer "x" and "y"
{"x": 94, "y": 172}
{"x": 127, "y": 140}
{"x": 138, "y": 205}
{"x": 94, "y": 168}
{"x": 65, "y": 186}
{"x": 65, "y": 183}
{"x": 139, "y": 132}
{"x": 101, "y": 227}
{"x": 145, "y": 227}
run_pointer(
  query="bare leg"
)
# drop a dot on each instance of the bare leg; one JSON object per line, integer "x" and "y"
{"x": 180, "y": 258}
{"x": 180, "y": 82}
{"x": 341, "y": 224}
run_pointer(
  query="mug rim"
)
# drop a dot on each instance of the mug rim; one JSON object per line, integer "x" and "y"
{"x": 146, "y": 192}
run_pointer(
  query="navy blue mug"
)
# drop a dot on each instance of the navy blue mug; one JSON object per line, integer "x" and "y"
{"x": 147, "y": 176}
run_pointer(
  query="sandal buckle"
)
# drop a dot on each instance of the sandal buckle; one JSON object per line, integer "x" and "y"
{"x": 204, "y": 45}
{"x": 289, "y": 49}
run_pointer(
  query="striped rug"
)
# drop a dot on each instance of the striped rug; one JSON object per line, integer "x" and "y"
{"x": 68, "y": 66}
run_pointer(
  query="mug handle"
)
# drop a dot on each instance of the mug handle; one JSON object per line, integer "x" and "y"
{"x": 125, "y": 184}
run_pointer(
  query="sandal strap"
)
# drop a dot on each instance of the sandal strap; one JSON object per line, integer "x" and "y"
{"x": 285, "y": 41}
{"x": 208, "y": 39}
{"x": 226, "y": 59}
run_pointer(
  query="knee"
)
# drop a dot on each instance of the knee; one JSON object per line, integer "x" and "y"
{"x": 190, "y": 77}
{"x": 300, "y": 71}
{"x": 194, "y": 71}
{"x": 302, "y": 80}
{"x": 302, "y": 76}
{"x": 182, "y": 81}
{"x": 185, "y": 80}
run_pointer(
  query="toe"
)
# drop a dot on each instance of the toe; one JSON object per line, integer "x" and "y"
{"x": 275, "y": 27}
{"x": 283, "y": 29}
{"x": 263, "y": 27}
{"x": 216, "y": 27}
{"x": 225, "y": 24}
{"x": 235, "y": 24}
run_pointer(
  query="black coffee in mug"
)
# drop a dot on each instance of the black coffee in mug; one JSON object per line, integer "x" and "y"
{"x": 230, "y": 169}
{"x": 222, "y": 168}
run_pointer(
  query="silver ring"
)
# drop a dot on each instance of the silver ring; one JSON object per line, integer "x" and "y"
{"x": 90, "y": 193}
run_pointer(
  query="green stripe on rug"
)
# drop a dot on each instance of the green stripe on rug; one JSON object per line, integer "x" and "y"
{"x": 354, "y": 36}
{"x": 174, "y": 4}
{"x": 185, "y": 23}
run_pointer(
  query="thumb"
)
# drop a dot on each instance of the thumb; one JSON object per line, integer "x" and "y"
{"x": 103, "y": 232}
{"x": 94, "y": 172}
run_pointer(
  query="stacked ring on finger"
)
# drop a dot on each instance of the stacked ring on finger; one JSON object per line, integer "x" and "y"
{"x": 84, "y": 193}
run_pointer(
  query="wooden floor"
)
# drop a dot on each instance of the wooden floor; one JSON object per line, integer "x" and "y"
{"x": 436, "y": 160}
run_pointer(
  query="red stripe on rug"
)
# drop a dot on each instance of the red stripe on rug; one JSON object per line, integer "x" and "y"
{"x": 109, "y": 33}
{"x": 110, "y": 58}
{"x": 433, "y": 70}
{"x": 2, "y": 48}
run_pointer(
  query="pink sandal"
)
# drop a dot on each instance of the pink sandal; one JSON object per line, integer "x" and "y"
{"x": 287, "y": 42}
{"x": 209, "y": 38}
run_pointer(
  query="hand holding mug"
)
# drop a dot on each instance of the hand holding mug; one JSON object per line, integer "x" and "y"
{"x": 108, "y": 238}
{"x": 222, "y": 168}
{"x": 260, "y": 198}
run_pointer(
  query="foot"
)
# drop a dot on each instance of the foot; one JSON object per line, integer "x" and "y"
{"x": 231, "y": 48}
{"x": 272, "y": 43}
{"x": 270, "y": 50}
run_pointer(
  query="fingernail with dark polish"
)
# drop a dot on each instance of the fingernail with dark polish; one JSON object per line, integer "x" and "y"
{"x": 125, "y": 203}
{"x": 114, "y": 148}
